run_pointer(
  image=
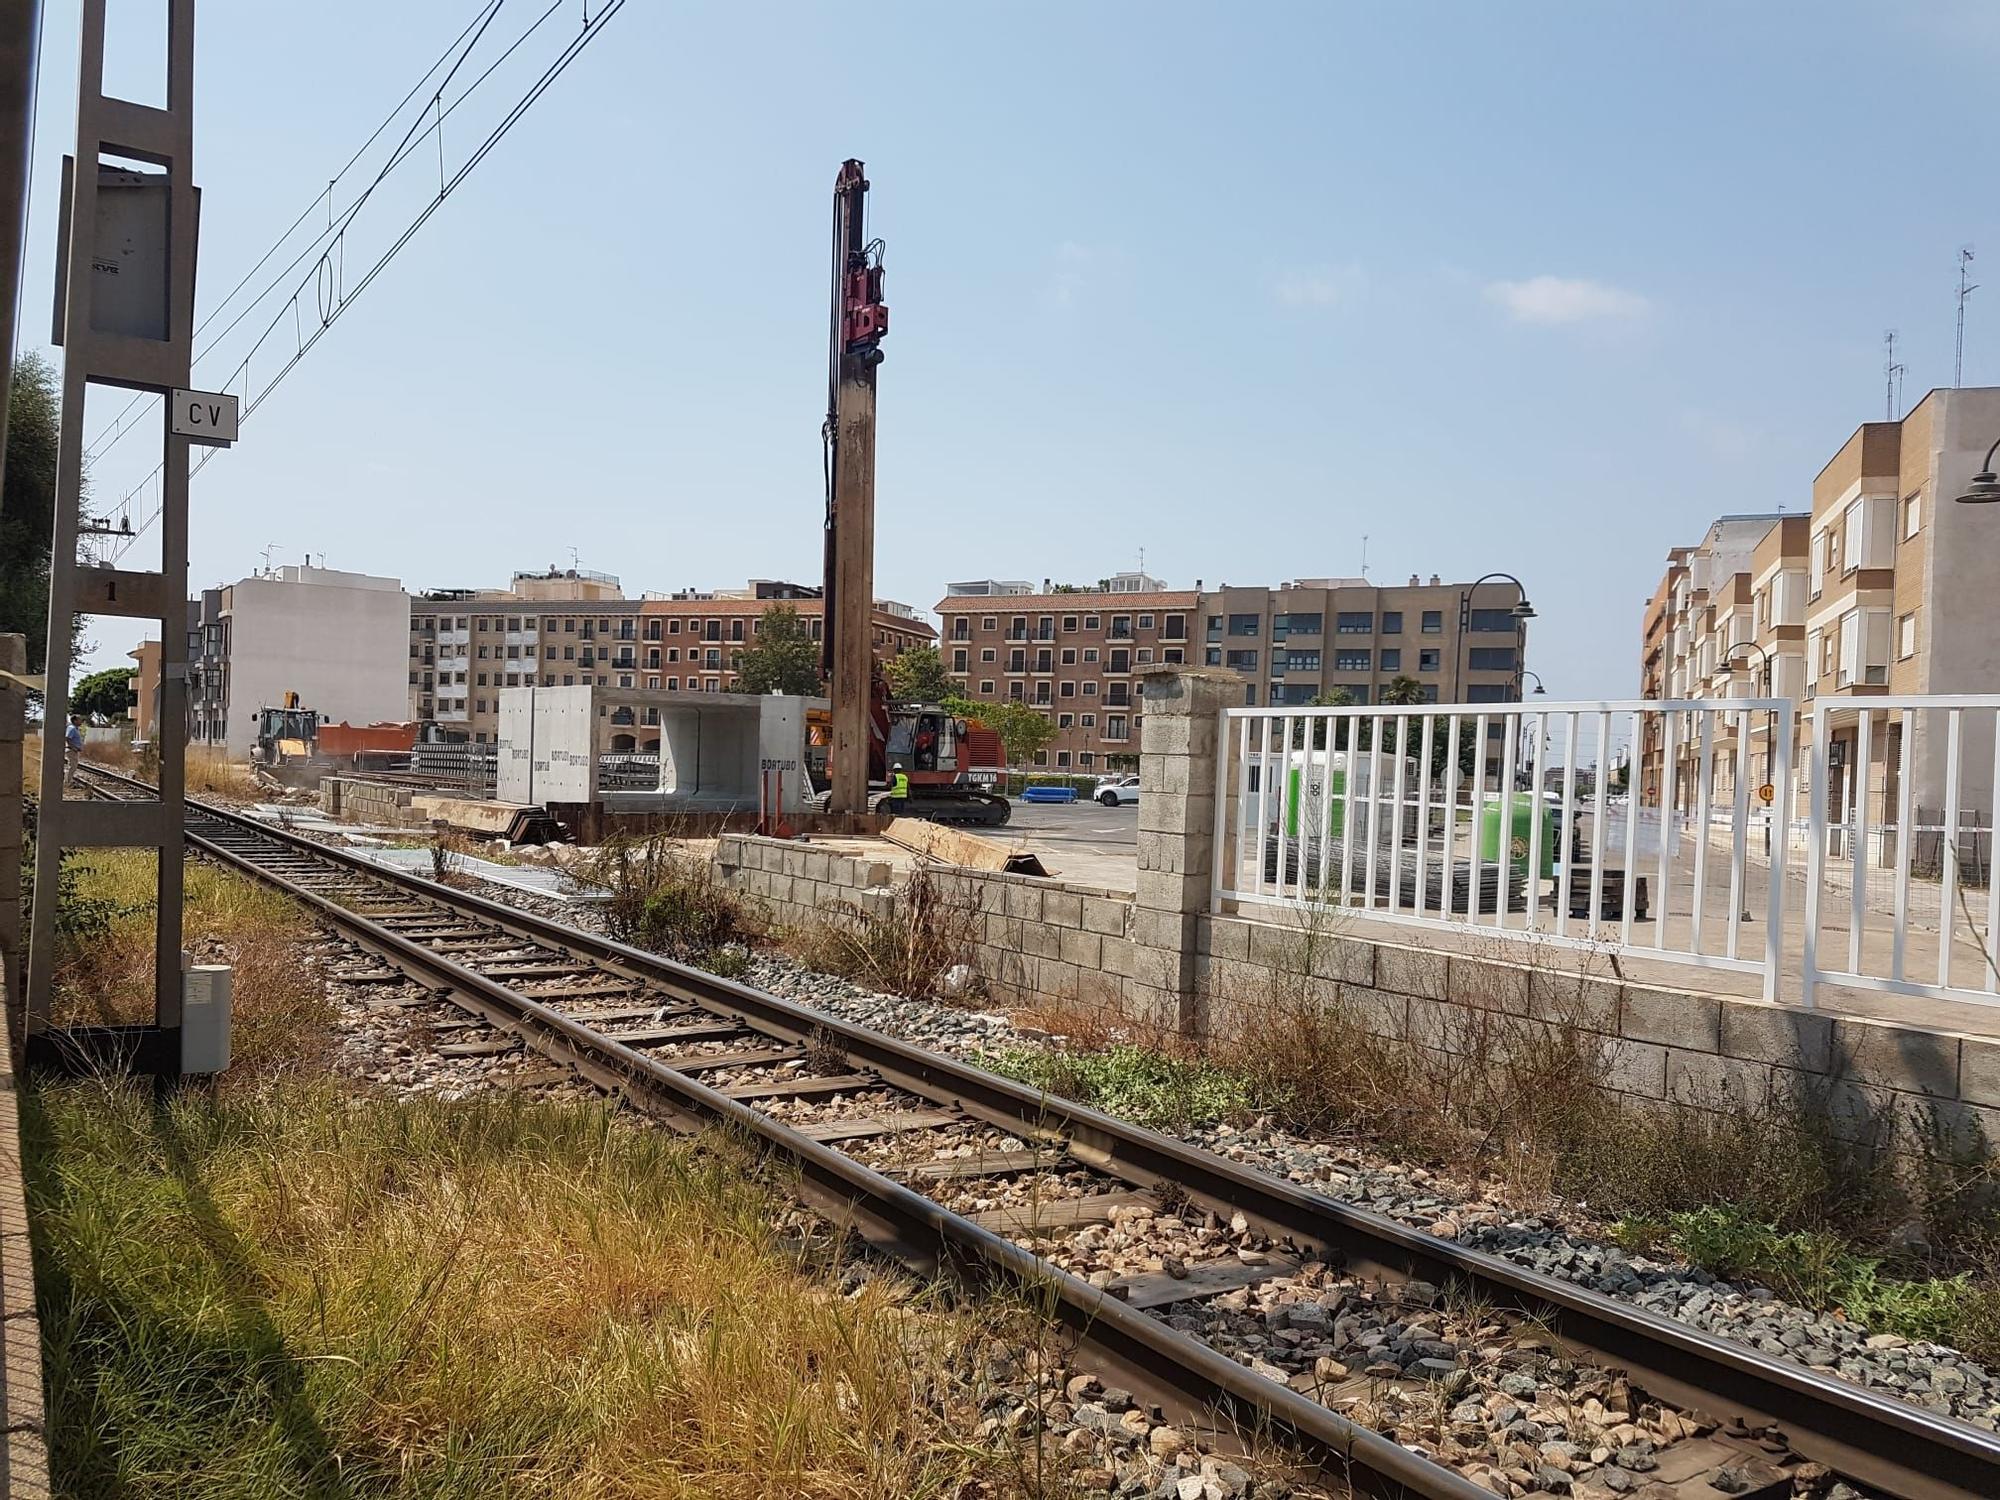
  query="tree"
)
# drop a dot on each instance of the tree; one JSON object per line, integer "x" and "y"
{"x": 1022, "y": 731}
{"x": 917, "y": 675}
{"x": 106, "y": 694}
{"x": 1404, "y": 690}
{"x": 785, "y": 658}
{"x": 28, "y": 504}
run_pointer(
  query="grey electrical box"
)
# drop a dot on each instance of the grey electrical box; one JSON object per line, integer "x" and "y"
{"x": 208, "y": 998}
{"x": 129, "y": 254}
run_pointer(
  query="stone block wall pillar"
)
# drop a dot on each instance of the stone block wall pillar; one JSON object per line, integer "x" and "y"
{"x": 13, "y": 707}
{"x": 1179, "y": 741}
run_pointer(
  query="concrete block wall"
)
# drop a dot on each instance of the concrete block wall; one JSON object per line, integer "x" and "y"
{"x": 1658, "y": 1045}
{"x": 1034, "y": 937}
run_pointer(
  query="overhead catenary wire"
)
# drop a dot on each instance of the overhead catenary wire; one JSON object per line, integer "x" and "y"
{"x": 341, "y": 299}
{"x": 108, "y": 436}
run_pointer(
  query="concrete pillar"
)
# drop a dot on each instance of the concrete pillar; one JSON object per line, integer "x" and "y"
{"x": 1179, "y": 741}
{"x": 13, "y": 703}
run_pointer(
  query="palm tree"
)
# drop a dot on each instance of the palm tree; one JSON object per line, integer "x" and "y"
{"x": 1404, "y": 690}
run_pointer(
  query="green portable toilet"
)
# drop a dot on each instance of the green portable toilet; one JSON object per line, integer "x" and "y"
{"x": 1521, "y": 840}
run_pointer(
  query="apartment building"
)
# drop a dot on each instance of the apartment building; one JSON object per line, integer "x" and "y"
{"x": 1313, "y": 637}
{"x": 1697, "y": 631}
{"x": 1073, "y": 653}
{"x": 1903, "y": 591}
{"x": 568, "y": 627}
{"x": 334, "y": 638}
{"x": 1885, "y": 587}
{"x": 690, "y": 640}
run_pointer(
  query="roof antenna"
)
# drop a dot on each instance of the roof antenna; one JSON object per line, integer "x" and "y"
{"x": 1965, "y": 290}
{"x": 1892, "y": 377}
{"x": 1364, "y": 554}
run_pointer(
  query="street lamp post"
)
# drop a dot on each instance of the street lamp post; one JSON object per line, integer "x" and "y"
{"x": 1522, "y": 612}
{"x": 1770, "y": 729}
{"x": 1534, "y": 761}
{"x": 1985, "y": 486}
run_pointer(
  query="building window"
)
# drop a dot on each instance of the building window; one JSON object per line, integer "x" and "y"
{"x": 1241, "y": 661}
{"x": 961, "y": 660}
{"x": 1392, "y": 660}
{"x": 1062, "y": 759}
{"x": 1145, "y": 622}
{"x": 1090, "y": 622}
{"x": 1069, "y": 622}
{"x": 1121, "y": 661}
{"x": 1090, "y": 653}
{"x": 1088, "y": 721}
{"x": 1427, "y": 659}
{"x": 1249, "y": 695}
{"x": 1486, "y": 692}
{"x": 1069, "y": 690}
{"x": 1353, "y": 661}
{"x": 1115, "y": 726}
{"x": 1354, "y": 622}
{"x": 961, "y": 629}
{"x": 987, "y": 653}
{"x": 1303, "y": 661}
{"x": 1913, "y": 514}
{"x": 1392, "y": 622}
{"x": 481, "y": 680}
{"x": 1491, "y": 658}
{"x": 986, "y": 687}
{"x": 1017, "y": 660}
{"x": 989, "y": 622}
{"x": 1492, "y": 621}
{"x": 1064, "y": 721}
{"x": 1121, "y": 627}
{"x": 1173, "y": 654}
{"x": 1433, "y": 622}
{"x": 1212, "y": 656}
{"x": 1090, "y": 690}
{"x": 652, "y": 685}
{"x": 1145, "y": 655}
{"x": 1247, "y": 625}
{"x": 1906, "y": 636}
{"x": 1176, "y": 628}
{"x": 1069, "y": 656}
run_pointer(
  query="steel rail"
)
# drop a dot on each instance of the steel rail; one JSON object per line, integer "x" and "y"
{"x": 1874, "y": 1439}
{"x": 1214, "y": 1391}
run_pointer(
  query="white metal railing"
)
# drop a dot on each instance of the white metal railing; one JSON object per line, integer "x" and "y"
{"x": 1500, "y": 819}
{"x": 1899, "y": 890}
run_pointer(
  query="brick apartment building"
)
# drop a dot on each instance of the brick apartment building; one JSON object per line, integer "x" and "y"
{"x": 567, "y": 627}
{"x": 1885, "y": 588}
{"x": 1074, "y": 654}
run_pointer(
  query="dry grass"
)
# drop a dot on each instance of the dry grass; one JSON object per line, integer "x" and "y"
{"x": 104, "y": 973}
{"x": 905, "y": 949}
{"x": 672, "y": 901}
{"x": 299, "y": 1294}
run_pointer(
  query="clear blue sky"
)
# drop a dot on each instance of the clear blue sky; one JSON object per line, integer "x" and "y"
{"x": 1541, "y": 288}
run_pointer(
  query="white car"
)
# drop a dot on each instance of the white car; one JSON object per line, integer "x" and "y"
{"x": 1116, "y": 791}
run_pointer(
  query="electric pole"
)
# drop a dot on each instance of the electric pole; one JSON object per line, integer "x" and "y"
{"x": 124, "y": 310}
{"x": 847, "y": 650}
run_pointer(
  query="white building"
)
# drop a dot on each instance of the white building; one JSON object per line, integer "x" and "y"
{"x": 341, "y": 641}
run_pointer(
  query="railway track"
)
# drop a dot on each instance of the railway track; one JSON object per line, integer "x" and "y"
{"x": 953, "y": 1169}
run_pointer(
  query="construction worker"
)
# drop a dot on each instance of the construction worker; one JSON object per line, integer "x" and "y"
{"x": 899, "y": 788}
